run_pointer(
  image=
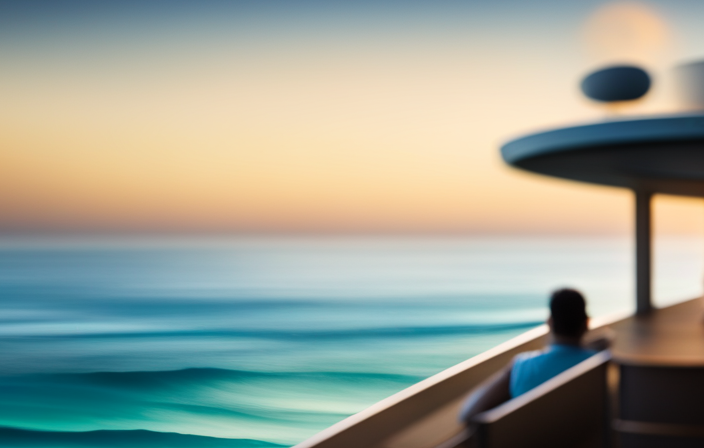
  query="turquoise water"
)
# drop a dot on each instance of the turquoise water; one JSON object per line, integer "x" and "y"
{"x": 260, "y": 342}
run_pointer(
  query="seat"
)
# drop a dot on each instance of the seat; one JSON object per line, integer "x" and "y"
{"x": 569, "y": 410}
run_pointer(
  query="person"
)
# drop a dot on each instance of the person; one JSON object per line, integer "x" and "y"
{"x": 568, "y": 322}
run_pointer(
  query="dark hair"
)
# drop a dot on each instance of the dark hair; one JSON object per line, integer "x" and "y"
{"x": 568, "y": 312}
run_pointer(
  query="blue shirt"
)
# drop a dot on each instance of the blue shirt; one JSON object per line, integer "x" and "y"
{"x": 531, "y": 369}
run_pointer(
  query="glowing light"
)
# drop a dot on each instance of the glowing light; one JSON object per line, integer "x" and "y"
{"x": 627, "y": 31}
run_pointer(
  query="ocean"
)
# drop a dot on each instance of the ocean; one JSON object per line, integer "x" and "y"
{"x": 263, "y": 341}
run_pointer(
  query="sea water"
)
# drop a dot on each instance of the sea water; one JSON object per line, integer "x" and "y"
{"x": 262, "y": 342}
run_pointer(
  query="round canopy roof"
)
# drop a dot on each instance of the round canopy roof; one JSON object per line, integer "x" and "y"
{"x": 658, "y": 155}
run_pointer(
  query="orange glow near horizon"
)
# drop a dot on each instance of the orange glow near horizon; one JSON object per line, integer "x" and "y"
{"x": 362, "y": 138}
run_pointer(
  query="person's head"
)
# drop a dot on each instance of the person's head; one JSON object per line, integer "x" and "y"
{"x": 568, "y": 314}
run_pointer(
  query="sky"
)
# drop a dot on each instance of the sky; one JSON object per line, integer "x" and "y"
{"x": 315, "y": 117}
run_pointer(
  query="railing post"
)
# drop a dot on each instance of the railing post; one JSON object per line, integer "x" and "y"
{"x": 643, "y": 252}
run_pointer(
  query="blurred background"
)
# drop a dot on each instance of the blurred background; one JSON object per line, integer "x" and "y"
{"x": 244, "y": 221}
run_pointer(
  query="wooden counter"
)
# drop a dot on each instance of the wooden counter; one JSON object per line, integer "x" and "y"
{"x": 661, "y": 373}
{"x": 672, "y": 336}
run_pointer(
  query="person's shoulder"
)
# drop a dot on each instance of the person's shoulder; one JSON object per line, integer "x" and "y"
{"x": 522, "y": 357}
{"x": 583, "y": 351}
{"x": 588, "y": 352}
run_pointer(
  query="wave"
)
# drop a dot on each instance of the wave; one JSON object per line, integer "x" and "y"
{"x": 17, "y": 437}
{"x": 279, "y": 407}
{"x": 201, "y": 375}
{"x": 300, "y": 334}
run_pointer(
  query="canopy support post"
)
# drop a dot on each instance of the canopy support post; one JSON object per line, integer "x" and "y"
{"x": 643, "y": 252}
